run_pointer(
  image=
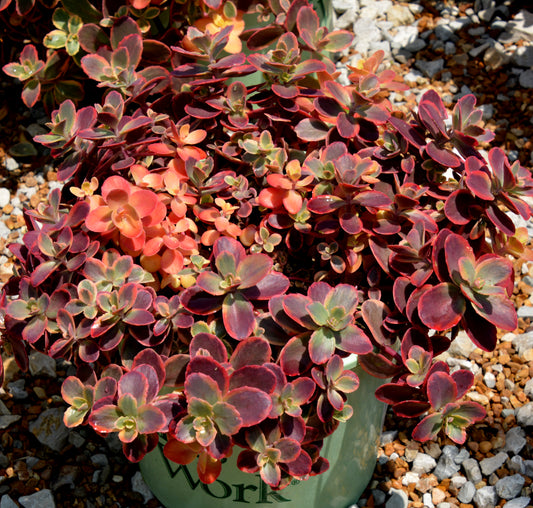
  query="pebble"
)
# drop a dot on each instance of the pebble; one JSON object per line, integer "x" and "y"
{"x": 515, "y": 440}
{"x": 486, "y": 497}
{"x": 423, "y": 463}
{"x": 509, "y": 487}
{"x": 414, "y": 77}
{"x": 438, "y": 496}
{"x": 10, "y": 164}
{"x": 138, "y": 485}
{"x": 461, "y": 456}
{"x": 100, "y": 459}
{"x": 379, "y": 496}
{"x": 344, "y": 5}
{"x": 522, "y": 24}
{"x": 7, "y": 502}
{"x": 444, "y": 32}
{"x": 490, "y": 464}
{"x": 68, "y": 476}
{"x": 526, "y": 311}
{"x": 523, "y": 342}
{"x": 516, "y": 464}
{"x": 368, "y": 32}
{"x": 472, "y": 470}
{"x": 523, "y": 56}
{"x": 346, "y": 20}
{"x": 457, "y": 482}
{"x": 462, "y": 345}
{"x": 524, "y": 415}
{"x": 76, "y": 439}
{"x": 528, "y": 388}
{"x": 426, "y": 499}
{"x": 410, "y": 477}
{"x": 466, "y": 494}
{"x": 406, "y": 37}
{"x": 475, "y": 52}
{"x": 6, "y": 418}
{"x": 398, "y": 499}
{"x": 400, "y": 15}
{"x": 50, "y": 430}
{"x": 489, "y": 379}
{"x": 446, "y": 467}
{"x": 41, "y": 499}
{"x": 16, "y": 388}
{"x": 388, "y": 436}
{"x": 494, "y": 58}
{"x": 430, "y": 68}
{"x": 518, "y": 502}
{"x": 433, "y": 449}
{"x": 42, "y": 365}
{"x": 5, "y": 197}
{"x": 526, "y": 79}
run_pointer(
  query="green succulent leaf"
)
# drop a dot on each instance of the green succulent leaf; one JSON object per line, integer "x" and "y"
{"x": 55, "y": 39}
{"x": 322, "y": 345}
{"x": 318, "y": 313}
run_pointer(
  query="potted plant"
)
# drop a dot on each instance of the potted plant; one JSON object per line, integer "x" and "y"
{"x": 222, "y": 256}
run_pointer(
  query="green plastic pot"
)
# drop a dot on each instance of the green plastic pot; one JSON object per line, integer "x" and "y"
{"x": 351, "y": 451}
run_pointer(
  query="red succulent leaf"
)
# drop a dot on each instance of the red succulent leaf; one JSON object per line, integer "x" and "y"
{"x": 410, "y": 408}
{"x": 134, "y": 384}
{"x": 253, "y": 269}
{"x": 501, "y": 220}
{"x": 482, "y": 333}
{"x": 460, "y": 207}
{"x": 393, "y": 393}
{"x": 274, "y": 284}
{"x": 253, "y": 376}
{"x": 442, "y": 306}
{"x": 428, "y": 428}
{"x": 374, "y": 313}
{"x": 337, "y": 40}
{"x": 181, "y": 453}
{"x": 251, "y": 351}
{"x": 104, "y": 418}
{"x": 96, "y": 67}
{"x": 479, "y": 183}
{"x": 197, "y": 301}
{"x": 238, "y": 316}
{"x": 211, "y": 283}
{"x": 295, "y": 306}
{"x": 311, "y": 129}
{"x": 463, "y": 379}
{"x": 31, "y": 92}
{"x": 408, "y": 131}
{"x": 378, "y": 365}
{"x": 443, "y": 156}
{"x": 201, "y": 386}
{"x": 441, "y": 390}
{"x": 252, "y": 404}
{"x": 150, "y": 420}
{"x": 294, "y": 357}
{"x": 175, "y": 368}
{"x": 206, "y": 342}
{"x": 139, "y": 317}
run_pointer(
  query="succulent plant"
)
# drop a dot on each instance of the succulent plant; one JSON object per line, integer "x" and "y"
{"x": 219, "y": 249}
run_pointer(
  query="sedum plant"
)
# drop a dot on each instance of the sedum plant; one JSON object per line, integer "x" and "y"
{"x": 219, "y": 248}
